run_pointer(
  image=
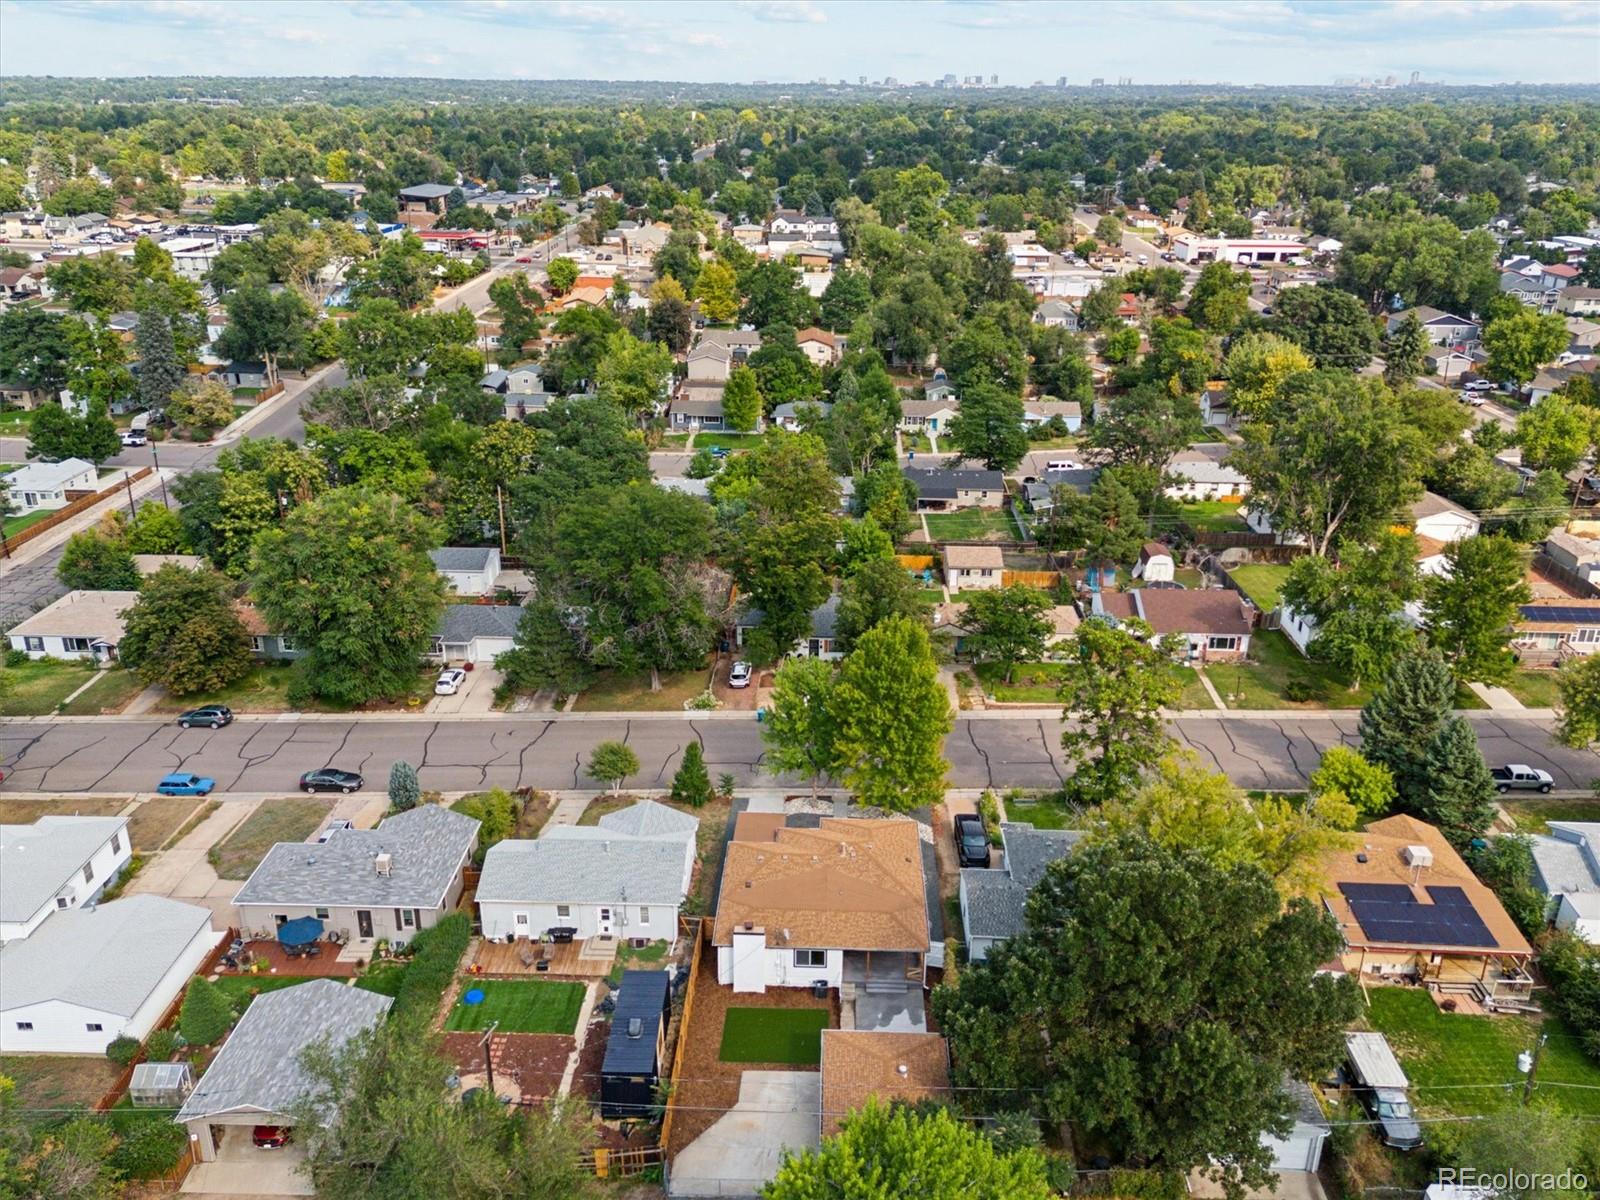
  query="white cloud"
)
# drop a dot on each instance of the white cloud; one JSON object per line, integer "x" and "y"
{"x": 786, "y": 11}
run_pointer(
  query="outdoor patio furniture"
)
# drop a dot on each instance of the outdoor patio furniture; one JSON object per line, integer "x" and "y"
{"x": 526, "y": 953}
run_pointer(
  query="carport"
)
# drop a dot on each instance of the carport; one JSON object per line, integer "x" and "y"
{"x": 257, "y": 1080}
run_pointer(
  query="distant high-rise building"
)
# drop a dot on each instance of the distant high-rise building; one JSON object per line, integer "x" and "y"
{"x": 1061, "y": 81}
{"x": 1097, "y": 82}
{"x": 1416, "y": 78}
{"x": 1124, "y": 80}
{"x": 994, "y": 81}
{"x": 890, "y": 81}
{"x": 862, "y": 80}
{"x": 950, "y": 79}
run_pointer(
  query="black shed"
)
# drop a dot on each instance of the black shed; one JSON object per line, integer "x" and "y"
{"x": 633, "y": 1054}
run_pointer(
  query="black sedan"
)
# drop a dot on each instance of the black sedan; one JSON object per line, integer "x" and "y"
{"x": 214, "y": 715}
{"x": 330, "y": 780}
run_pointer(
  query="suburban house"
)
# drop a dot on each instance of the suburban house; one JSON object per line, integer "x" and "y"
{"x": 476, "y": 633}
{"x": 148, "y": 564}
{"x": 1040, "y": 412}
{"x": 1566, "y": 868}
{"x": 625, "y": 877}
{"x": 1547, "y": 631}
{"x": 1155, "y": 564}
{"x": 1557, "y": 276}
{"x": 258, "y": 1078}
{"x": 917, "y": 416}
{"x": 469, "y": 570}
{"x": 523, "y": 380}
{"x": 1575, "y": 555}
{"x": 1202, "y": 472}
{"x": 1441, "y": 328}
{"x": 1528, "y": 289}
{"x": 1552, "y": 379}
{"x": 943, "y": 487}
{"x": 386, "y": 882}
{"x": 820, "y": 346}
{"x": 939, "y": 389}
{"x": 787, "y": 416}
{"x": 820, "y": 641}
{"x": 699, "y": 406}
{"x": 1410, "y": 908}
{"x": 1442, "y": 520}
{"x": 87, "y": 976}
{"x": 859, "y": 1065}
{"x": 994, "y": 901}
{"x": 1212, "y": 625}
{"x": 970, "y": 567}
{"x": 18, "y": 283}
{"x": 1041, "y": 493}
{"x": 1056, "y": 314}
{"x": 15, "y": 394}
{"x": 244, "y": 374}
{"x": 843, "y": 902}
{"x": 631, "y": 1069}
{"x": 46, "y": 485}
{"x": 54, "y": 864}
{"x": 1580, "y": 301}
{"x": 79, "y": 625}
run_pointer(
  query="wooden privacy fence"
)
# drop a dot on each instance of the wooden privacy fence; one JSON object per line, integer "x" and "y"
{"x": 8, "y": 545}
{"x": 619, "y": 1164}
{"x": 1044, "y": 580}
{"x": 683, "y": 1030}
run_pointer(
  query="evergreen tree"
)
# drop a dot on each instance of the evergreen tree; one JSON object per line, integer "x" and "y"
{"x": 205, "y": 1015}
{"x": 160, "y": 371}
{"x": 1403, "y": 352}
{"x": 692, "y": 783}
{"x": 1400, "y": 723}
{"x": 1459, "y": 797}
{"x": 405, "y": 790}
{"x": 741, "y": 399}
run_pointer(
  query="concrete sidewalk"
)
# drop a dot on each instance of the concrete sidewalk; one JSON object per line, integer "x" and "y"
{"x": 30, "y": 551}
{"x": 182, "y": 872}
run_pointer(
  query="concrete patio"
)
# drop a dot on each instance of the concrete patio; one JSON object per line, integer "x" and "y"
{"x": 742, "y": 1151}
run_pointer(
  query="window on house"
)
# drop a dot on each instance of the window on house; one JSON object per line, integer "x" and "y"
{"x": 563, "y": 911}
{"x": 88, "y": 872}
{"x": 286, "y": 645}
{"x": 62, "y": 902}
{"x": 257, "y": 645}
{"x": 35, "y": 644}
{"x": 1586, "y": 636}
{"x": 409, "y": 916}
{"x": 521, "y": 919}
{"x": 95, "y": 1027}
{"x": 75, "y": 644}
{"x": 644, "y": 916}
{"x": 322, "y": 914}
{"x": 116, "y": 843}
{"x": 1217, "y": 642}
{"x": 810, "y": 958}
{"x": 25, "y": 1026}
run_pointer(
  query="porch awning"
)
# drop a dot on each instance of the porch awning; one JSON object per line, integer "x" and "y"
{"x": 301, "y": 931}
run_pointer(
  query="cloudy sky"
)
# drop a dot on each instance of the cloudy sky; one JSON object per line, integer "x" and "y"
{"x": 1155, "y": 41}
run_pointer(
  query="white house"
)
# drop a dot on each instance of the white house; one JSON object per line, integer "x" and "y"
{"x": 57, "y": 863}
{"x": 968, "y": 568}
{"x": 1202, "y": 472}
{"x": 1566, "y": 868}
{"x": 1442, "y": 520}
{"x": 79, "y": 625}
{"x": 88, "y": 976}
{"x": 45, "y": 485}
{"x": 476, "y": 633}
{"x": 1580, "y": 912}
{"x": 1440, "y": 328}
{"x": 820, "y": 346}
{"x": 1039, "y": 412}
{"x": 468, "y": 570}
{"x": 1581, "y": 556}
{"x": 625, "y": 877}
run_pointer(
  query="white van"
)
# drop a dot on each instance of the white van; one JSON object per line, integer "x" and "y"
{"x": 1062, "y": 464}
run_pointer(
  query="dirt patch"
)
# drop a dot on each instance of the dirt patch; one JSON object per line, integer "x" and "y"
{"x": 26, "y": 812}
{"x": 57, "y": 1081}
{"x": 158, "y": 818}
{"x": 533, "y": 1063}
{"x": 586, "y": 1083}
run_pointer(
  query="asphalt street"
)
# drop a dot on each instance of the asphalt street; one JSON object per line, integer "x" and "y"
{"x": 123, "y": 756}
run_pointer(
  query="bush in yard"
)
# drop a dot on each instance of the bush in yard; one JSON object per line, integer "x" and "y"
{"x": 184, "y": 633}
{"x": 611, "y": 763}
{"x": 206, "y": 1014}
{"x": 435, "y": 953}
{"x": 149, "y": 1148}
{"x": 495, "y": 811}
{"x": 1572, "y": 968}
{"x": 123, "y": 1050}
{"x": 161, "y": 1045}
{"x": 404, "y": 788}
{"x": 692, "y": 783}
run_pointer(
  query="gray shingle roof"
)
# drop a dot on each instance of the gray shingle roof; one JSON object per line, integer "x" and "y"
{"x": 38, "y": 860}
{"x": 463, "y": 622}
{"x": 106, "y": 957}
{"x": 824, "y": 618}
{"x": 649, "y": 819}
{"x": 994, "y": 903}
{"x": 1029, "y": 851}
{"x": 1306, "y": 1109}
{"x": 581, "y": 865}
{"x": 938, "y": 483}
{"x": 461, "y": 558}
{"x": 426, "y": 847}
{"x": 258, "y": 1068}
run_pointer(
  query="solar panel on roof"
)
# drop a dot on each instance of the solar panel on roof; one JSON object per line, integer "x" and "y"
{"x": 1560, "y": 612}
{"x": 1390, "y": 912}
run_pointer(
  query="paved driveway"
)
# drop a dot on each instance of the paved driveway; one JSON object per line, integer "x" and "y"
{"x": 243, "y": 1170}
{"x": 476, "y": 695}
{"x": 777, "y": 1112}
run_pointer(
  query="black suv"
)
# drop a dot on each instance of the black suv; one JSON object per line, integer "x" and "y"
{"x": 214, "y": 715}
{"x": 972, "y": 843}
{"x": 330, "y": 780}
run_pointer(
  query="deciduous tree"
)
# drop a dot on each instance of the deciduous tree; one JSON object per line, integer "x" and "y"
{"x": 98, "y": 559}
{"x": 1367, "y": 786}
{"x": 55, "y": 433}
{"x": 1358, "y": 605}
{"x": 202, "y": 406}
{"x": 717, "y": 289}
{"x": 184, "y": 633}
{"x": 987, "y": 427}
{"x": 1331, "y": 325}
{"x": 1113, "y": 686}
{"x": 1220, "y": 297}
{"x": 1579, "y": 686}
{"x": 611, "y": 763}
{"x": 1555, "y": 434}
{"x": 1471, "y": 607}
{"x": 1007, "y": 625}
{"x": 1257, "y": 366}
{"x": 875, "y": 591}
{"x": 1520, "y": 343}
{"x": 741, "y": 399}
{"x": 562, "y": 273}
{"x": 802, "y": 725}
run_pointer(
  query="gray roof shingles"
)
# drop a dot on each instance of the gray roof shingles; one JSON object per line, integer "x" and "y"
{"x": 427, "y": 847}
{"x": 463, "y": 622}
{"x": 461, "y": 558}
{"x": 583, "y": 869}
{"x": 38, "y": 860}
{"x": 996, "y": 901}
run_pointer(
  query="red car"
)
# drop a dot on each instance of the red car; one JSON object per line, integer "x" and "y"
{"x": 526, "y": 258}
{"x": 270, "y": 1137}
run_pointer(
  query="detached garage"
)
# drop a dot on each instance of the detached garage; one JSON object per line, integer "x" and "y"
{"x": 476, "y": 632}
{"x": 632, "y": 1064}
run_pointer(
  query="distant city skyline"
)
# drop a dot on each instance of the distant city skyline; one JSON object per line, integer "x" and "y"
{"x": 1011, "y": 42}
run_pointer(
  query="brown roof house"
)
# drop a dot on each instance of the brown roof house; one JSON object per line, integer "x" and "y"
{"x": 860, "y": 1065}
{"x": 969, "y": 567}
{"x": 840, "y": 903}
{"x": 1212, "y": 625}
{"x": 1409, "y": 908}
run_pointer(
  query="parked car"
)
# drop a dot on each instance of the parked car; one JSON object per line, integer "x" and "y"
{"x": 719, "y": 452}
{"x": 739, "y": 675}
{"x": 1169, "y": 256}
{"x": 1381, "y": 1086}
{"x": 1476, "y": 399}
{"x": 449, "y": 681}
{"x": 328, "y": 779}
{"x": 270, "y": 1137}
{"x": 972, "y": 843}
{"x": 1521, "y": 778}
{"x": 1477, "y": 385}
{"x": 214, "y": 715}
{"x": 524, "y": 258}
{"x": 1144, "y": 260}
{"x": 135, "y": 437}
{"x": 334, "y": 827}
{"x": 185, "y": 785}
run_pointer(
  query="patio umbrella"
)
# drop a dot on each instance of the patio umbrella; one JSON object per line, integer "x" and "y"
{"x": 302, "y": 931}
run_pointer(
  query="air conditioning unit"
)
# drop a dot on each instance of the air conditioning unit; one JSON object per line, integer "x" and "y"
{"x": 383, "y": 863}
{"x": 1418, "y": 856}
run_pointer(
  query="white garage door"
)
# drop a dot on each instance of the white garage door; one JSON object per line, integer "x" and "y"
{"x": 1297, "y": 1152}
{"x": 484, "y": 649}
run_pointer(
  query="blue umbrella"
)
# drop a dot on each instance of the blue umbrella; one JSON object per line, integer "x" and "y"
{"x": 302, "y": 931}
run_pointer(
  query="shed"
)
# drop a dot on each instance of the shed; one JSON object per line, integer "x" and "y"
{"x": 632, "y": 1065}
{"x": 160, "y": 1084}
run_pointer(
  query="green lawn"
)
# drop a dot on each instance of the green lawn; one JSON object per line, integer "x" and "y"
{"x": 520, "y": 1006}
{"x": 1194, "y": 694}
{"x": 1260, "y": 582}
{"x": 614, "y": 692}
{"x": 1212, "y": 516}
{"x": 971, "y": 525}
{"x": 1442, "y": 1052}
{"x": 1042, "y": 814}
{"x": 111, "y": 691}
{"x": 773, "y": 1035}
{"x": 15, "y": 525}
{"x": 918, "y": 443}
{"x": 264, "y": 688}
{"x": 1190, "y": 577}
{"x": 241, "y": 989}
{"x": 1031, "y": 683}
{"x": 931, "y": 595}
{"x": 286, "y": 819}
{"x": 1536, "y": 689}
{"x": 675, "y": 440}
{"x": 1531, "y": 812}
{"x": 712, "y": 438}
{"x": 38, "y": 685}
{"x": 14, "y": 422}
{"x": 1273, "y": 667}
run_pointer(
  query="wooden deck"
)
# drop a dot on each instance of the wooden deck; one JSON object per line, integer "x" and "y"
{"x": 591, "y": 959}
{"x": 270, "y": 959}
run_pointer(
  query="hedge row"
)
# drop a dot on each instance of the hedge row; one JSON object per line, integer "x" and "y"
{"x": 434, "y": 955}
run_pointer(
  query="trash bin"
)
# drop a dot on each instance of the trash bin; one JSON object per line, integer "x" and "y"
{"x": 761, "y": 714}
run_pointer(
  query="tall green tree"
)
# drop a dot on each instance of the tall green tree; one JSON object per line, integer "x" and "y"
{"x": 55, "y": 433}
{"x": 1166, "y": 1037}
{"x": 1114, "y": 685}
{"x": 802, "y": 726}
{"x": 1105, "y": 524}
{"x": 611, "y": 763}
{"x": 875, "y": 591}
{"x": 265, "y": 324}
{"x": 1579, "y": 686}
{"x": 1007, "y": 626}
{"x": 741, "y": 399}
{"x": 1258, "y": 364}
{"x": 1459, "y": 797}
{"x": 1471, "y": 607}
{"x": 988, "y": 428}
{"x": 35, "y": 348}
{"x": 1220, "y": 297}
{"x": 1146, "y": 426}
{"x": 1400, "y": 723}
{"x": 1329, "y": 324}
{"x": 562, "y": 273}
{"x": 1358, "y": 605}
{"x": 691, "y": 783}
{"x": 161, "y": 371}
{"x": 1368, "y": 787}
{"x": 98, "y": 559}
{"x": 717, "y": 290}
{"x": 1404, "y": 350}
{"x": 1520, "y": 343}
{"x": 348, "y": 577}
{"x": 1542, "y": 1143}
{"x": 892, "y": 714}
{"x": 184, "y": 633}
{"x": 1555, "y": 434}
{"x": 633, "y": 375}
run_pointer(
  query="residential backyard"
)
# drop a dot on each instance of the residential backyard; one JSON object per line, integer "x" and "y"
{"x": 518, "y": 1006}
{"x": 972, "y": 525}
{"x": 1445, "y": 1054}
{"x": 1261, "y": 582}
{"x": 1529, "y": 813}
{"x": 773, "y": 1035}
{"x": 38, "y": 686}
{"x": 1213, "y": 516}
{"x": 59, "y": 1081}
{"x": 242, "y": 989}
{"x": 286, "y": 819}
{"x": 15, "y": 525}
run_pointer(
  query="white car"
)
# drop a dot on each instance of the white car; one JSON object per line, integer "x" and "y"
{"x": 739, "y": 675}
{"x": 449, "y": 681}
{"x": 1476, "y": 399}
{"x": 1477, "y": 385}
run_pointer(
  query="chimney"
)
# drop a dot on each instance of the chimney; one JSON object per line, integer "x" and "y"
{"x": 383, "y": 863}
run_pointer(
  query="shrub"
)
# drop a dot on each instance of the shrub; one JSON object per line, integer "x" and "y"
{"x": 1299, "y": 690}
{"x": 206, "y": 1014}
{"x": 435, "y": 953}
{"x": 16, "y": 658}
{"x": 123, "y": 1050}
{"x": 149, "y": 1148}
{"x": 496, "y": 811}
{"x": 162, "y": 1045}
{"x": 692, "y": 783}
{"x": 404, "y": 788}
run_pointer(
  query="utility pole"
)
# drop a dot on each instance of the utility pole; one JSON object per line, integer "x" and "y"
{"x": 127, "y": 483}
{"x": 500, "y": 503}
{"x": 156, "y": 462}
{"x": 1528, "y": 1064}
{"x": 488, "y": 1060}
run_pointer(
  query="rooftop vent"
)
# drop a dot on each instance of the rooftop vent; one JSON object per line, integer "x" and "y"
{"x": 1362, "y": 857}
{"x": 383, "y": 863}
{"x": 635, "y": 1027}
{"x": 902, "y": 1070}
